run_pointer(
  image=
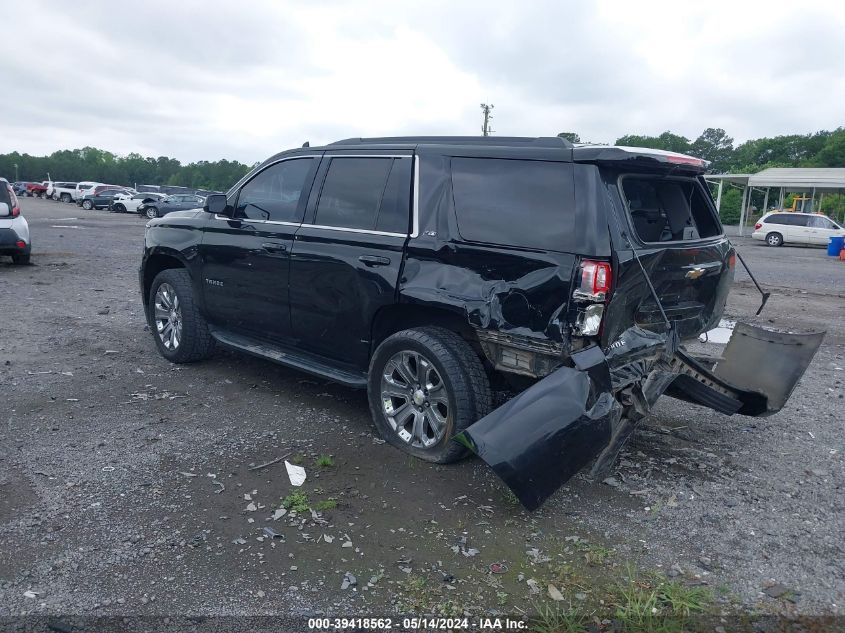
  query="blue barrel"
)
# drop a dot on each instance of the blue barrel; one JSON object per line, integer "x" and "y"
{"x": 836, "y": 245}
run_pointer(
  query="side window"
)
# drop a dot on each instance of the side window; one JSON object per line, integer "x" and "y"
{"x": 515, "y": 202}
{"x": 352, "y": 192}
{"x": 274, "y": 193}
{"x": 778, "y": 218}
{"x": 799, "y": 220}
{"x": 395, "y": 210}
{"x": 818, "y": 222}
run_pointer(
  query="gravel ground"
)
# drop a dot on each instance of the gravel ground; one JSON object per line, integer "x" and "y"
{"x": 128, "y": 485}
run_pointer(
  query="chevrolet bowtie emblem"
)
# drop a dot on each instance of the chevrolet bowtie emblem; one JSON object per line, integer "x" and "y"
{"x": 695, "y": 273}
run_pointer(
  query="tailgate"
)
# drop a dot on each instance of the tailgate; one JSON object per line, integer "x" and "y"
{"x": 692, "y": 282}
{"x": 673, "y": 226}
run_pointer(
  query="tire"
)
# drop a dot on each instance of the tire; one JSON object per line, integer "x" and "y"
{"x": 193, "y": 340}
{"x": 65, "y": 197}
{"x": 458, "y": 376}
{"x": 22, "y": 259}
{"x": 54, "y": 197}
{"x": 151, "y": 212}
{"x": 87, "y": 205}
{"x": 774, "y": 239}
{"x": 119, "y": 208}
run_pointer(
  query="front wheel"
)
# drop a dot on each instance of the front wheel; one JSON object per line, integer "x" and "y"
{"x": 87, "y": 205}
{"x": 426, "y": 385}
{"x": 774, "y": 239}
{"x": 180, "y": 331}
{"x": 65, "y": 197}
{"x": 119, "y": 208}
{"x": 151, "y": 212}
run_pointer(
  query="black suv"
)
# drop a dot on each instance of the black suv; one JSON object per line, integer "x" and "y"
{"x": 444, "y": 274}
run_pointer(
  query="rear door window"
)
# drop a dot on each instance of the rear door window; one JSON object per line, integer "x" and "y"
{"x": 523, "y": 203}
{"x": 668, "y": 209}
{"x": 366, "y": 194}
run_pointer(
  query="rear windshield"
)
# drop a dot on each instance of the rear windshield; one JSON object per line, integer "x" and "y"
{"x": 666, "y": 209}
{"x": 527, "y": 203}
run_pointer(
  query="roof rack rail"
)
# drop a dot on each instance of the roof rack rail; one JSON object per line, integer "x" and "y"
{"x": 538, "y": 141}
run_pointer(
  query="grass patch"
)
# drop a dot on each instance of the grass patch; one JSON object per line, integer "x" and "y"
{"x": 595, "y": 555}
{"x": 418, "y": 595}
{"x": 325, "y": 504}
{"x": 552, "y": 618}
{"x": 297, "y": 459}
{"x": 296, "y": 502}
{"x": 654, "y": 604}
{"x": 510, "y": 498}
{"x": 325, "y": 461}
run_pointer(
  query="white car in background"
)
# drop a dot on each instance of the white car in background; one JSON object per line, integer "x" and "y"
{"x": 129, "y": 203}
{"x": 789, "y": 227}
{"x": 14, "y": 230}
{"x": 86, "y": 186}
{"x": 61, "y": 191}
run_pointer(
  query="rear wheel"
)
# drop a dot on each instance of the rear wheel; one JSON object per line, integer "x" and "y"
{"x": 119, "y": 208}
{"x": 87, "y": 205}
{"x": 774, "y": 239}
{"x": 151, "y": 212}
{"x": 65, "y": 197}
{"x": 180, "y": 331}
{"x": 22, "y": 259}
{"x": 426, "y": 385}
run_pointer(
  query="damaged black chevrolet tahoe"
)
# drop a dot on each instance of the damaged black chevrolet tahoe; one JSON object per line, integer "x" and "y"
{"x": 438, "y": 271}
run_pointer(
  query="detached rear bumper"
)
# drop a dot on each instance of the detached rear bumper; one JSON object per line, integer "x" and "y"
{"x": 545, "y": 435}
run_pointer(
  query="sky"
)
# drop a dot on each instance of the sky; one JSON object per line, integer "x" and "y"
{"x": 244, "y": 80}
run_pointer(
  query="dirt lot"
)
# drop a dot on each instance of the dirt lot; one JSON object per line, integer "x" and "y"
{"x": 126, "y": 485}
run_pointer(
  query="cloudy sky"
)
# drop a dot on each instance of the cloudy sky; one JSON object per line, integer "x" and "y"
{"x": 242, "y": 80}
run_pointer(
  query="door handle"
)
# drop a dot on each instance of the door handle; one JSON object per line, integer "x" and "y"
{"x": 374, "y": 260}
{"x": 273, "y": 247}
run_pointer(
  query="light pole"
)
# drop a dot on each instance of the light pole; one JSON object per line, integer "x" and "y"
{"x": 16, "y": 172}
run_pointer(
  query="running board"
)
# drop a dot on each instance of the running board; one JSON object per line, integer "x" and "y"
{"x": 295, "y": 359}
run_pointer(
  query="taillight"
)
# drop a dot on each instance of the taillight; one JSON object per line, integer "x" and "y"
{"x": 20, "y": 244}
{"x": 595, "y": 278}
{"x": 758, "y": 226}
{"x": 732, "y": 260}
{"x": 16, "y": 208}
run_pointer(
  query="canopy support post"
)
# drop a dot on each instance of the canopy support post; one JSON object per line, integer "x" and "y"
{"x": 742, "y": 210}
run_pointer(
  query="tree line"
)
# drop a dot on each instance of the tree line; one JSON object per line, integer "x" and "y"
{"x": 818, "y": 149}
{"x": 90, "y": 163}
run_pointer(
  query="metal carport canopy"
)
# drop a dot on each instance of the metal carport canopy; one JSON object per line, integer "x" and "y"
{"x": 799, "y": 178}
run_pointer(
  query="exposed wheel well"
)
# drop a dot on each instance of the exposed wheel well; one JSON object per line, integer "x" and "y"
{"x": 403, "y": 316}
{"x": 154, "y": 266}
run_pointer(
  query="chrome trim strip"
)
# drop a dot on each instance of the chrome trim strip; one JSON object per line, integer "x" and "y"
{"x": 328, "y": 155}
{"x": 342, "y": 228}
{"x": 415, "y": 230}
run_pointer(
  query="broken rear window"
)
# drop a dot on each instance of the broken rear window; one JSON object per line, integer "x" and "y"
{"x": 668, "y": 209}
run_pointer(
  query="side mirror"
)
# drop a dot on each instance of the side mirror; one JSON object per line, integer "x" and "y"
{"x": 4, "y": 209}
{"x": 216, "y": 203}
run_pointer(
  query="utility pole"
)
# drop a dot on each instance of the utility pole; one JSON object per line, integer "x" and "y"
{"x": 485, "y": 127}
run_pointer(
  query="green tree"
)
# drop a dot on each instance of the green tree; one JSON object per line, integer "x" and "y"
{"x": 714, "y": 145}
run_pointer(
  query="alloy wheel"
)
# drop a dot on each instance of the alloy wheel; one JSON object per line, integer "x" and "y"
{"x": 414, "y": 399}
{"x": 151, "y": 213}
{"x": 168, "y": 317}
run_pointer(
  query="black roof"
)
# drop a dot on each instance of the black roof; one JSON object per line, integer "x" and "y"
{"x": 494, "y": 141}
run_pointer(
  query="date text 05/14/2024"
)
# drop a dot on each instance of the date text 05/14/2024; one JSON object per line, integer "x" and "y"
{"x": 417, "y": 624}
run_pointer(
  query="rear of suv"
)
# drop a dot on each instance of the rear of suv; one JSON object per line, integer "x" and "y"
{"x": 788, "y": 227}
{"x": 14, "y": 230}
{"x": 444, "y": 274}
